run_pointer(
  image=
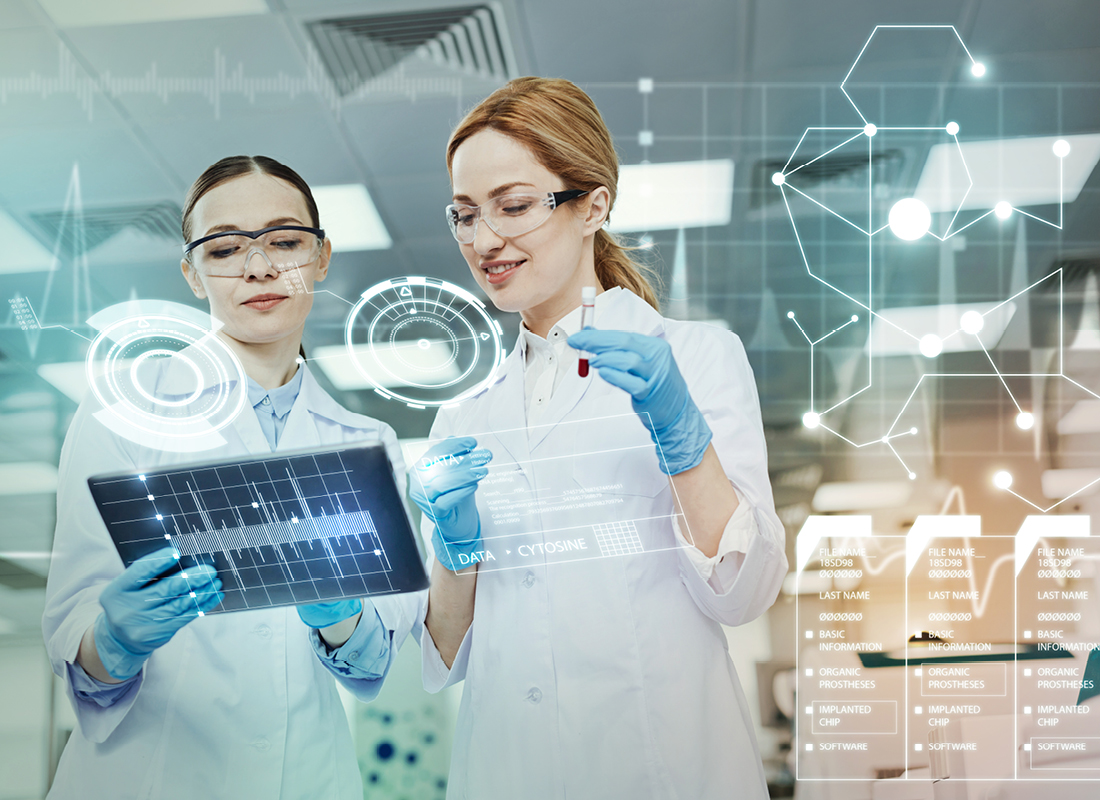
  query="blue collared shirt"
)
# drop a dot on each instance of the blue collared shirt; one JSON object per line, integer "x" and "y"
{"x": 273, "y": 405}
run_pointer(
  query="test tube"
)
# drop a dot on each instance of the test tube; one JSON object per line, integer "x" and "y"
{"x": 588, "y": 319}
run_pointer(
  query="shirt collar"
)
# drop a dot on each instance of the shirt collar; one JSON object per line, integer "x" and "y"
{"x": 566, "y": 326}
{"x": 282, "y": 397}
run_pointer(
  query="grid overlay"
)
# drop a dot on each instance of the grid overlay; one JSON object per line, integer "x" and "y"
{"x": 618, "y": 538}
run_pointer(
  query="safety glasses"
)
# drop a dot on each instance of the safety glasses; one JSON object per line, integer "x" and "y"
{"x": 283, "y": 247}
{"x": 509, "y": 215}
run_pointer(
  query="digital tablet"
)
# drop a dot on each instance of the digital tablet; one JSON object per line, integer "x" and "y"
{"x": 281, "y": 528}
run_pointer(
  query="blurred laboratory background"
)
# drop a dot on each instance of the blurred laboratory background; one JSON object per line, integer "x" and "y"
{"x": 108, "y": 111}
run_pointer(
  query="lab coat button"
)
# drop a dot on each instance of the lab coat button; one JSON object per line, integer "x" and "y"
{"x": 262, "y": 744}
{"x": 263, "y": 631}
{"x": 354, "y": 655}
{"x": 267, "y": 401}
{"x": 528, "y": 579}
{"x": 534, "y": 695}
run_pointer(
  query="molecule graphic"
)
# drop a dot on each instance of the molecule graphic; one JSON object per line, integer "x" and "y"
{"x": 910, "y": 219}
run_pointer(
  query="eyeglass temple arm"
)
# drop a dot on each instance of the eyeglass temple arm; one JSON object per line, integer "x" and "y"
{"x": 567, "y": 195}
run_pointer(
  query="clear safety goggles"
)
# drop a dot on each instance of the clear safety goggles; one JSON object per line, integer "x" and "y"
{"x": 509, "y": 215}
{"x": 283, "y": 247}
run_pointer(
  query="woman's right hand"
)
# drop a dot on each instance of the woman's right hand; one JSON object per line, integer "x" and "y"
{"x": 141, "y": 613}
{"x": 443, "y": 486}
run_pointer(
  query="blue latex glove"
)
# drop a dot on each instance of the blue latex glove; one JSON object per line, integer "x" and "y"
{"x": 443, "y": 485}
{"x": 321, "y": 615}
{"x": 645, "y": 368}
{"x": 141, "y": 613}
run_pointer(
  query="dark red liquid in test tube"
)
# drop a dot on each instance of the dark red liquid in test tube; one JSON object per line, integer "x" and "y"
{"x": 588, "y": 319}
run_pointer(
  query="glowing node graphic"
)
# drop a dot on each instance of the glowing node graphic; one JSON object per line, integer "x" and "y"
{"x": 910, "y": 219}
{"x": 912, "y": 431}
{"x": 912, "y": 476}
{"x": 931, "y": 345}
{"x": 972, "y": 322}
{"x": 1002, "y": 480}
{"x": 423, "y": 341}
{"x": 162, "y": 375}
{"x": 855, "y": 317}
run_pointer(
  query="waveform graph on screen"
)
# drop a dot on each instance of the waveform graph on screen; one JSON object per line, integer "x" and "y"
{"x": 279, "y": 531}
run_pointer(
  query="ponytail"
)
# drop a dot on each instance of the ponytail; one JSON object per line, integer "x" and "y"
{"x": 615, "y": 267}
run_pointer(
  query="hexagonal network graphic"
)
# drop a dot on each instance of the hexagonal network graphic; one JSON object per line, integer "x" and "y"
{"x": 973, "y": 326}
{"x": 423, "y": 341}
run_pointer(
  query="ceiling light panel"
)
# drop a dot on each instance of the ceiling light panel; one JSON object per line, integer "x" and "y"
{"x": 350, "y": 218}
{"x": 81, "y": 13}
{"x": 898, "y": 331}
{"x": 1021, "y": 172}
{"x": 22, "y": 252}
{"x": 27, "y": 477}
{"x": 401, "y": 364}
{"x": 673, "y": 195}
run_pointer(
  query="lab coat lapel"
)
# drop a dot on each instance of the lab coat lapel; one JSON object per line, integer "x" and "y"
{"x": 246, "y": 429}
{"x": 506, "y": 415}
{"x": 301, "y": 429}
{"x": 626, "y": 312}
{"x": 568, "y": 395}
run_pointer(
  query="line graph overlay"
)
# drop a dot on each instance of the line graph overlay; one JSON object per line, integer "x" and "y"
{"x": 222, "y": 84}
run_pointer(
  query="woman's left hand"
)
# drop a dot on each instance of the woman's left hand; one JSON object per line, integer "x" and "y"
{"x": 645, "y": 368}
{"x": 322, "y": 615}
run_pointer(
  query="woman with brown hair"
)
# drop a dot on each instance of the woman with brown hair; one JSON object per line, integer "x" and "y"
{"x": 608, "y": 675}
{"x": 235, "y": 705}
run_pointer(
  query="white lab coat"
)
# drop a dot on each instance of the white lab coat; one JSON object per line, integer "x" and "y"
{"x": 610, "y": 678}
{"x": 235, "y": 705}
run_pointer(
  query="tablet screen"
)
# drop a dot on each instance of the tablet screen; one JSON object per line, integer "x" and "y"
{"x": 283, "y": 529}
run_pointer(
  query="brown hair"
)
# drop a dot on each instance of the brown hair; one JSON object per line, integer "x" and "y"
{"x": 236, "y": 166}
{"x": 563, "y": 129}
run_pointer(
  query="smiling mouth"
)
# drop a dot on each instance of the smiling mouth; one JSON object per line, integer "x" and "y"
{"x": 500, "y": 271}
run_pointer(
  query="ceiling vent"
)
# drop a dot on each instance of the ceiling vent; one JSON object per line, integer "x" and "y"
{"x": 835, "y": 171}
{"x": 1076, "y": 268}
{"x": 79, "y": 232}
{"x": 469, "y": 40}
